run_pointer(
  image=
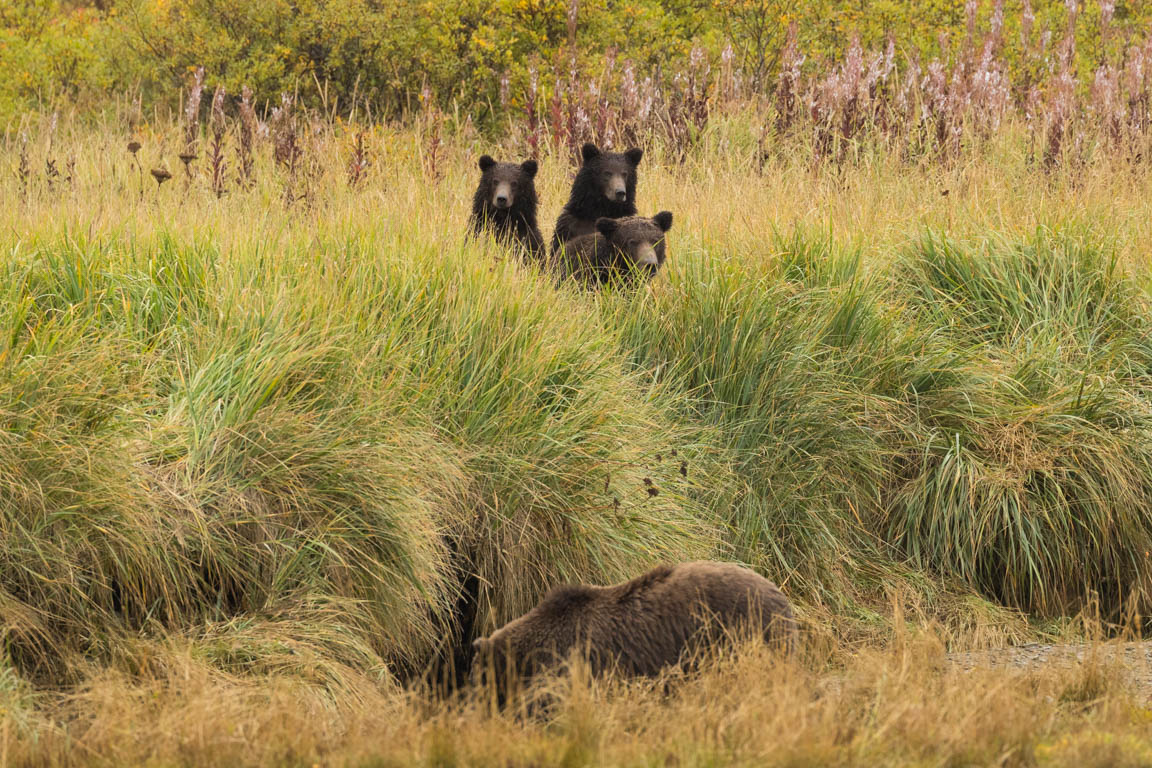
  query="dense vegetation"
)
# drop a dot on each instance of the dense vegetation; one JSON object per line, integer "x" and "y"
{"x": 491, "y": 60}
{"x": 276, "y": 439}
{"x": 312, "y": 395}
{"x": 293, "y": 439}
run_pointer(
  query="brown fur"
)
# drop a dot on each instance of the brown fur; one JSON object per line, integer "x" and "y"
{"x": 642, "y": 626}
{"x": 620, "y": 249}
{"x": 605, "y": 186}
{"x": 505, "y": 204}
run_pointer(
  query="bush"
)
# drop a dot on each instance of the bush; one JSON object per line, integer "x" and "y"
{"x": 1031, "y": 476}
{"x": 48, "y": 53}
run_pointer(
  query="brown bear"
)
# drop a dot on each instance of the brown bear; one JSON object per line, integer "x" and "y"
{"x": 640, "y": 627}
{"x": 505, "y": 204}
{"x": 605, "y": 186}
{"x": 619, "y": 249}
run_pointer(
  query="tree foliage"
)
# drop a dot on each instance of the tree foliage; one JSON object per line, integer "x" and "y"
{"x": 473, "y": 53}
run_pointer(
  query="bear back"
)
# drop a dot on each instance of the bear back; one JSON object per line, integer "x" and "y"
{"x": 642, "y": 626}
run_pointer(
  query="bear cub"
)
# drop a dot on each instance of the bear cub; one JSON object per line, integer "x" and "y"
{"x": 620, "y": 248}
{"x": 638, "y": 628}
{"x": 505, "y": 204}
{"x": 605, "y": 186}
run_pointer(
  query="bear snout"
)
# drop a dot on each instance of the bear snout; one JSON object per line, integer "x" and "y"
{"x": 617, "y": 188}
{"x": 502, "y": 196}
{"x": 646, "y": 256}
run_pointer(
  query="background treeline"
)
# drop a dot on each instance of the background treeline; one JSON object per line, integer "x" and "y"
{"x": 489, "y": 59}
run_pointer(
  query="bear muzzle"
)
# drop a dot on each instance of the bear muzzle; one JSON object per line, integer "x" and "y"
{"x": 617, "y": 189}
{"x": 646, "y": 256}
{"x": 502, "y": 195}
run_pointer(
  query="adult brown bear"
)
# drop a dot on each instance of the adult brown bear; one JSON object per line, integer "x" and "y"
{"x": 642, "y": 626}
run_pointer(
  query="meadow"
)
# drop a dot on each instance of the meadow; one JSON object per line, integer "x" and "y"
{"x": 277, "y": 440}
{"x": 275, "y": 450}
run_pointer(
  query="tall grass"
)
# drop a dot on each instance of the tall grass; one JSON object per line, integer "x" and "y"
{"x": 1033, "y": 475}
{"x": 898, "y": 707}
{"x": 302, "y": 442}
{"x": 975, "y": 409}
{"x": 192, "y": 437}
{"x": 753, "y": 351}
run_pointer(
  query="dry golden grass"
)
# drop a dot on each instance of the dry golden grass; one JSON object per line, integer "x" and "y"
{"x": 718, "y": 194}
{"x": 899, "y": 706}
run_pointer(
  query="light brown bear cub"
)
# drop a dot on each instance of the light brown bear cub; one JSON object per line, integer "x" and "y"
{"x": 618, "y": 249}
{"x": 642, "y": 626}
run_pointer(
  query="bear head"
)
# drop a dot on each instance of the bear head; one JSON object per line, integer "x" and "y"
{"x": 504, "y": 185}
{"x": 611, "y": 174}
{"x": 639, "y": 241}
{"x": 532, "y": 643}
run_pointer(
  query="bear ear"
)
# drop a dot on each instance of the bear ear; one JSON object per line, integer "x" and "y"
{"x": 589, "y": 151}
{"x": 486, "y": 162}
{"x": 633, "y": 156}
{"x": 663, "y": 220}
{"x": 529, "y": 167}
{"x": 607, "y": 226}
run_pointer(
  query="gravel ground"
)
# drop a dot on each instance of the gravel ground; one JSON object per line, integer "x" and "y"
{"x": 1135, "y": 658}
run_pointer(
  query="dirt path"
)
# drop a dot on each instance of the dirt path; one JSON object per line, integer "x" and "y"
{"x": 1134, "y": 657}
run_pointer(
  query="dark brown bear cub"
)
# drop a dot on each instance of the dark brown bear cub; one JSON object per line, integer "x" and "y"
{"x": 505, "y": 204}
{"x": 640, "y": 627}
{"x": 620, "y": 248}
{"x": 605, "y": 186}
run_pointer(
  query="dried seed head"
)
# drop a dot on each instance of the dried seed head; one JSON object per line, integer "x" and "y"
{"x": 282, "y": 126}
{"x": 1107, "y": 11}
{"x": 684, "y": 468}
{"x": 653, "y": 491}
{"x": 218, "y": 97}
{"x": 161, "y": 175}
{"x": 187, "y": 157}
{"x": 133, "y": 146}
{"x": 648, "y": 482}
{"x": 192, "y": 107}
{"x": 1027, "y": 19}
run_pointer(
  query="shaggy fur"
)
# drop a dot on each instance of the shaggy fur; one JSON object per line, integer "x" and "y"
{"x": 605, "y": 186}
{"x": 620, "y": 248}
{"x": 505, "y": 204}
{"x": 642, "y": 626}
